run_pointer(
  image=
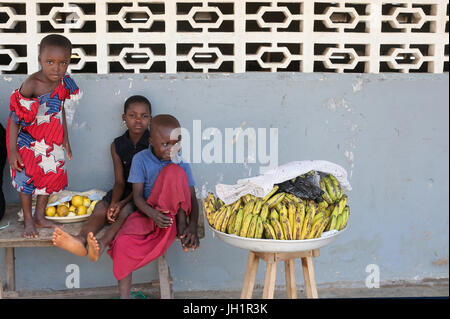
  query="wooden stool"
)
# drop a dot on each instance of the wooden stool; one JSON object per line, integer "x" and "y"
{"x": 271, "y": 260}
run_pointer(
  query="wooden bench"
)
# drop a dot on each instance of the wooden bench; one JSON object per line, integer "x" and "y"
{"x": 11, "y": 238}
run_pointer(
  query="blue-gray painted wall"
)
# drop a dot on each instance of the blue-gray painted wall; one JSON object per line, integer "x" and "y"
{"x": 389, "y": 131}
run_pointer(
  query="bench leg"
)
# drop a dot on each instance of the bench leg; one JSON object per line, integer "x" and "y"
{"x": 10, "y": 280}
{"x": 250, "y": 275}
{"x": 308, "y": 275}
{"x": 164, "y": 278}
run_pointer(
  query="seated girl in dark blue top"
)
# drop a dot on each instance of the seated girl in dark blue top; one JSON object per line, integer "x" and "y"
{"x": 118, "y": 202}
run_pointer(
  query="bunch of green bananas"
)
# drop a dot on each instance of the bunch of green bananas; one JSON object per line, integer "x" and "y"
{"x": 279, "y": 215}
{"x": 332, "y": 189}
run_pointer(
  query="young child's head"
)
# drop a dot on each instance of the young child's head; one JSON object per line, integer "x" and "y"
{"x": 165, "y": 136}
{"x": 54, "y": 56}
{"x": 137, "y": 112}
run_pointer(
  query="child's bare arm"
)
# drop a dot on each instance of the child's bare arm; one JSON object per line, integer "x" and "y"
{"x": 66, "y": 143}
{"x": 190, "y": 239}
{"x": 193, "y": 217}
{"x": 119, "y": 186}
{"x": 15, "y": 161}
{"x": 161, "y": 219}
{"x": 119, "y": 181}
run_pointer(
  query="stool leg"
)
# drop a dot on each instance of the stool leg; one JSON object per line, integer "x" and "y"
{"x": 291, "y": 284}
{"x": 250, "y": 275}
{"x": 269, "y": 281}
{"x": 164, "y": 278}
{"x": 308, "y": 275}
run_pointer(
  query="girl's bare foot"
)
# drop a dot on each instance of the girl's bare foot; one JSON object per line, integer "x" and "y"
{"x": 68, "y": 242}
{"x": 95, "y": 247}
{"x": 30, "y": 231}
{"x": 43, "y": 222}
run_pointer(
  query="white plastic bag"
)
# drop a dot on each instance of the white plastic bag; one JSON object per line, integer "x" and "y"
{"x": 261, "y": 185}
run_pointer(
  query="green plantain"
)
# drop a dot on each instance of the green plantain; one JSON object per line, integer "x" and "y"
{"x": 259, "y": 227}
{"x": 252, "y": 227}
{"x": 223, "y": 226}
{"x": 245, "y": 225}
{"x": 231, "y": 223}
{"x": 273, "y": 191}
{"x": 275, "y": 199}
{"x": 257, "y": 206}
{"x": 325, "y": 195}
{"x": 264, "y": 212}
{"x": 338, "y": 189}
{"x": 269, "y": 232}
{"x": 238, "y": 222}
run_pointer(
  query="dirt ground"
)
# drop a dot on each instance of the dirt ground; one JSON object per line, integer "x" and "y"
{"x": 430, "y": 288}
{"x": 424, "y": 289}
{"x": 439, "y": 288}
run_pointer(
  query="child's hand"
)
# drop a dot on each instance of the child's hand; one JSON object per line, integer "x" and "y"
{"x": 162, "y": 219}
{"x": 189, "y": 238}
{"x": 112, "y": 212}
{"x": 15, "y": 161}
{"x": 66, "y": 146}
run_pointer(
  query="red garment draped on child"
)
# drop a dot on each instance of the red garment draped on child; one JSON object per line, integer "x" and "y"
{"x": 140, "y": 240}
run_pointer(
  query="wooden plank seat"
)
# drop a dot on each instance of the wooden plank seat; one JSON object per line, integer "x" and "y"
{"x": 11, "y": 238}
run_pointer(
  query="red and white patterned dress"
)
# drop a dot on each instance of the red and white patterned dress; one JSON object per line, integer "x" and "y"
{"x": 40, "y": 139}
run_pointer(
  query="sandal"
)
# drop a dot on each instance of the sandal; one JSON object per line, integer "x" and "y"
{"x": 137, "y": 295}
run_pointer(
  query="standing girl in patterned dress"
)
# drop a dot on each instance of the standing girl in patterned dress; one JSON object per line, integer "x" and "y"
{"x": 36, "y": 133}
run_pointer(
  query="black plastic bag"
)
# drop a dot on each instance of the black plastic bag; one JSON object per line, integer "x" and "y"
{"x": 303, "y": 186}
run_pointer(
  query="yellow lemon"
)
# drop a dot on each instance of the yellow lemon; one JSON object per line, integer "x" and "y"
{"x": 50, "y": 211}
{"x": 77, "y": 201}
{"x": 86, "y": 201}
{"x": 72, "y": 208}
{"x": 81, "y": 210}
{"x": 62, "y": 210}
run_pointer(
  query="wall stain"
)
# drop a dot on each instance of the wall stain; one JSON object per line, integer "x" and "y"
{"x": 283, "y": 100}
{"x": 343, "y": 106}
{"x": 359, "y": 84}
{"x": 441, "y": 262}
{"x": 70, "y": 107}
